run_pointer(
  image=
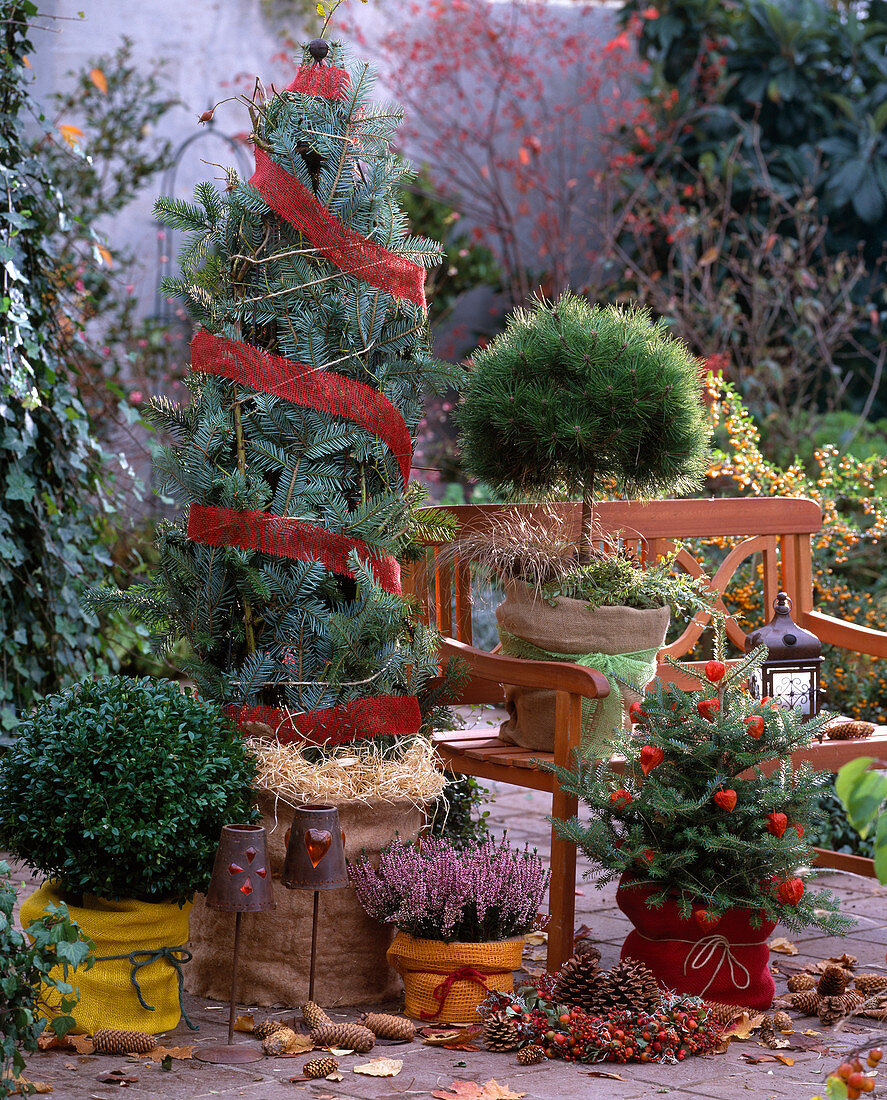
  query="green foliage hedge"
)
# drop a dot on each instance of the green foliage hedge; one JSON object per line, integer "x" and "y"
{"x": 120, "y": 788}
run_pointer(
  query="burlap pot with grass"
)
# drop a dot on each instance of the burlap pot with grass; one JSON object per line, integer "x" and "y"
{"x": 620, "y": 641}
{"x": 276, "y": 946}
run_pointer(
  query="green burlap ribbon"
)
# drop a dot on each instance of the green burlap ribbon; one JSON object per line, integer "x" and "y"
{"x": 638, "y": 668}
{"x": 175, "y": 956}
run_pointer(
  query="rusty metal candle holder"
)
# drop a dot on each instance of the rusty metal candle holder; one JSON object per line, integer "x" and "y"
{"x": 240, "y": 883}
{"x": 315, "y": 860}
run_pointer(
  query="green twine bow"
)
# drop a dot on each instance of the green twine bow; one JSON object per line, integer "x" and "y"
{"x": 175, "y": 956}
{"x": 638, "y": 667}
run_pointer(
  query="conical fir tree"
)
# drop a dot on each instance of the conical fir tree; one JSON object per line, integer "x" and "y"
{"x": 696, "y": 815}
{"x": 292, "y": 458}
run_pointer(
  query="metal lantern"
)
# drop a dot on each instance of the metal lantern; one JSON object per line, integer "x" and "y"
{"x": 315, "y": 860}
{"x": 240, "y": 884}
{"x": 790, "y": 674}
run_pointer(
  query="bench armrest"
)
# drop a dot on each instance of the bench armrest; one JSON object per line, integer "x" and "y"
{"x": 856, "y": 639}
{"x": 553, "y": 675}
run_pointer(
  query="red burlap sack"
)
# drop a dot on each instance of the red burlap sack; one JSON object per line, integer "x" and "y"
{"x": 726, "y": 962}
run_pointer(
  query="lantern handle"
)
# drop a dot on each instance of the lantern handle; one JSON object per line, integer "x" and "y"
{"x": 783, "y": 602}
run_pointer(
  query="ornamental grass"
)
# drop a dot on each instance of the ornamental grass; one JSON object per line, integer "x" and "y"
{"x": 435, "y": 890}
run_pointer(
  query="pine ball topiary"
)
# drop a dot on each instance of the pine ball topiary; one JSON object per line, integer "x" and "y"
{"x": 573, "y": 394}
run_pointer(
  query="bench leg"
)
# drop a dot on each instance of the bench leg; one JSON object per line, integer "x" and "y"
{"x": 562, "y": 891}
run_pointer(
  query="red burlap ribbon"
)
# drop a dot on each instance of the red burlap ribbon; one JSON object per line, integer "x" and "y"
{"x": 342, "y": 246}
{"x": 306, "y": 386}
{"x": 285, "y": 537}
{"x": 371, "y": 716}
{"x": 442, "y": 990}
{"x": 325, "y": 81}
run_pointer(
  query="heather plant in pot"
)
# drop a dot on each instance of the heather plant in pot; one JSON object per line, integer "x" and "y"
{"x": 705, "y": 831}
{"x": 581, "y": 399}
{"x": 461, "y": 914}
{"x": 117, "y": 791}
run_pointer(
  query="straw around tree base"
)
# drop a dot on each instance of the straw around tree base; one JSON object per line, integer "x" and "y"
{"x": 362, "y": 775}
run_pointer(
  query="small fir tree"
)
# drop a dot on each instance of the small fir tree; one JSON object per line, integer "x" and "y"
{"x": 293, "y": 306}
{"x": 577, "y": 396}
{"x": 694, "y": 814}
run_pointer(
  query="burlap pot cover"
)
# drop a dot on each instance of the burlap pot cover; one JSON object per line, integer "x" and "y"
{"x": 136, "y": 930}
{"x": 276, "y": 946}
{"x": 726, "y": 962}
{"x": 445, "y": 982}
{"x": 610, "y": 639}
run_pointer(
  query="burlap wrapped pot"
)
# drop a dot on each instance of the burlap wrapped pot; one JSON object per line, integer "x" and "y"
{"x": 138, "y": 949}
{"x": 445, "y": 982}
{"x": 726, "y": 962}
{"x": 275, "y": 946}
{"x": 623, "y": 640}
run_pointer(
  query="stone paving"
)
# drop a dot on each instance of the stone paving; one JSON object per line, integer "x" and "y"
{"x": 427, "y": 1069}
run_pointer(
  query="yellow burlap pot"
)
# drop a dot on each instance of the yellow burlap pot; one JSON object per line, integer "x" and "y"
{"x": 108, "y": 997}
{"x": 445, "y": 982}
{"x": 276, "y": 946}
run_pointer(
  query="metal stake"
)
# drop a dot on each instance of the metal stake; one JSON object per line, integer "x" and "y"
{"x": 313, "y": 947}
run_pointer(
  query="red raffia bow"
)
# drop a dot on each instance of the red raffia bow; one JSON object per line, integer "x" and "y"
{"x": 442, "y": 990}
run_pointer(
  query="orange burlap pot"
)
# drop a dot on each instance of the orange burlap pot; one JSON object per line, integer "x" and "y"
{"x": 445, "y": 982}
{"x": 276, "y": 946}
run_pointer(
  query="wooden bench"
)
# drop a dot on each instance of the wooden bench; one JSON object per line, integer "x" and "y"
{"x": 776, "y": 528}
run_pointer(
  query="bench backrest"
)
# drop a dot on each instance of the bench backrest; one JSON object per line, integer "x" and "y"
{"x": 777, "y": 528}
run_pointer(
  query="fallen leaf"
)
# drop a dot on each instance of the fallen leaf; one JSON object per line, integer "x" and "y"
{"x": 380, "y": 1067}
{"x": 334, "y": 1076}
{"x": 784, "y": 1058}
{"x": 743, "y": 1026}
{"x": 105, "y": 256}
{"x": 180, "y": 1053}
{"x": 603, "y": 1073}
{"x": 23, "y": 1085}
{"x": 70, "y": 133}
{"x": 299, "y": 1046}
{"x": 471, "y": 1090}
{"x": 245, "y": 1023}
{"x": 99, "y": 79}
{"x": 339, "y": 1052}
{"x": 782, "y": 946}
{"x": 535, "y": 938}
{"x": 70, "y": 1065}
{"x": 454, "y": 1039}
{"x": 708, "y": 257}
{"x": 50, "y": 1041}
{"x": 82, "y": 1044}
{"x": 117, "y": 1077}
{"x": 810, "y": 1031}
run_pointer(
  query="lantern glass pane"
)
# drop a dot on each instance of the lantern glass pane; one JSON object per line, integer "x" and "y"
{"x": 755, "y": 684}
{"x": 793, "y": 688}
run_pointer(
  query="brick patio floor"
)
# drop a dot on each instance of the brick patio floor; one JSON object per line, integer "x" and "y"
{"x": 426, "y": 1069}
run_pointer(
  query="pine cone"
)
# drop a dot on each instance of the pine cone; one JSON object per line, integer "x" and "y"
{"x": 831, "y": 1009}
{"x": 268, "y": 1027}
{"x": 576, "y": 980}
{"x": 783, "y": 1022}
{"x": 628, "y": 987}
{"x": 797, "y": 983}
{"x": 767, "y": 1032}
{"x": 500, "y": 1034}
{"x": 723, "y": 1015}
{"x": 320, "y": 1067}
{"x": 384, "y": 1026}
{"x": 833, "y": 982}
{"x": 344, "y": 1037}
{"x": 849, "y": 731}
{"x": 806, "y": 1002}
{"x": 279, "y": 1041}
{"x": 112, "y": 1040}
{"x": 531, "y": 1055}
{"x": 314, "y": 1016}
{"x": 870, "y": 985}
{"x": 587, "y": 949}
